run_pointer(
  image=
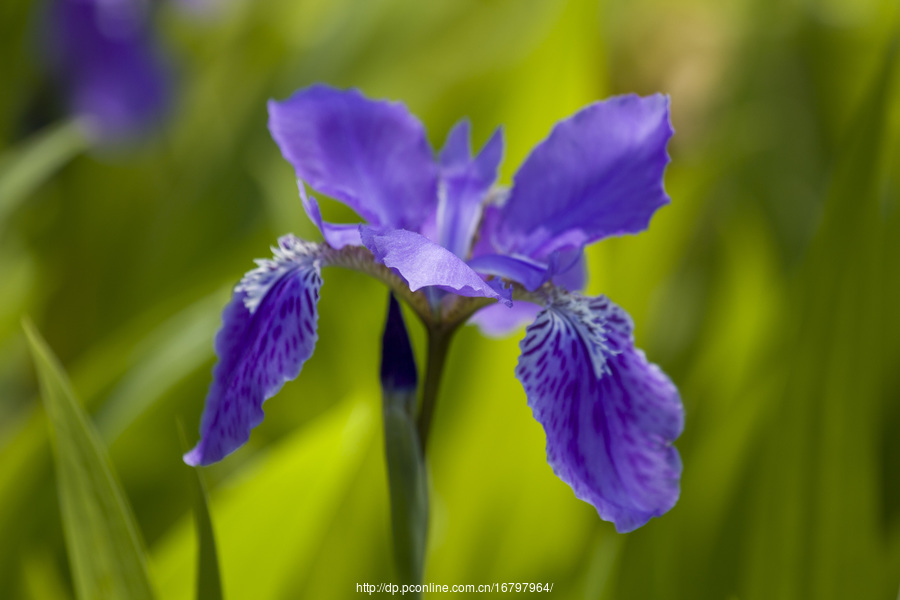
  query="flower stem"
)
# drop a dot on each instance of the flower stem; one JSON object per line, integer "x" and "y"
{"x": 438, "y": 345}
{"x": 407, "y": 476}
{"x": 408, "y": 486}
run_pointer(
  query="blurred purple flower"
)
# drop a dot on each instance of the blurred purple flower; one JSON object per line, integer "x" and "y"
{"x": 104, "y": 54}
{"x": 439, "y": 232}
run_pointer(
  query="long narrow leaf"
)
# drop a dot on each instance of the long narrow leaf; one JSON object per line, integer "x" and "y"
{"x": 105, "y": 550}
{"x": 209, "y": 581}
{"x": 274, "y": 514}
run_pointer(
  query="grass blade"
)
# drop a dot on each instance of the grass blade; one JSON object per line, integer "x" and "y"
{"x": 275, "y": 513}
{"x": 105, "y": 550}
{"x": 209, "y": 581}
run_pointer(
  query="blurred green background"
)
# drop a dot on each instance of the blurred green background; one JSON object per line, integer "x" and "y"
{"x": 768, "y": 291}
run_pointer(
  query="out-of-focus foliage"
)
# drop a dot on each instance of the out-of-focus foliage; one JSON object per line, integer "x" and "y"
{"x": 767, "y": 290}
{"x": 105, "y": 549}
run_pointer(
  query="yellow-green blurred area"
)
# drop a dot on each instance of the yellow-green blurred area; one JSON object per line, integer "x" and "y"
{"x": 768, "y": 291}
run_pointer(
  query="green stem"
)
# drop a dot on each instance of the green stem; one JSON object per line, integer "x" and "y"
{"x": 438, "y": 345}
{"x": 408, "y": 486}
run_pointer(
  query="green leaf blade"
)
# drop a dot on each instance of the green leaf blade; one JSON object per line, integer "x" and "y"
{"x": 104, "y": 546}
{"x": 209, "y": 580}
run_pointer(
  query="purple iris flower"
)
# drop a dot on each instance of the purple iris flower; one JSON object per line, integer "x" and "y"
{"x": 104, "y": 54}
{"x": 451, "y": 243}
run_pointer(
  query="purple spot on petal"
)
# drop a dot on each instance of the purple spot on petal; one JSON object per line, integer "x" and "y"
{"x": 609, "y": 435}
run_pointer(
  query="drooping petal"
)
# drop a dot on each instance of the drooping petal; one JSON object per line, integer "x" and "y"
{"x": 423, "y": 263}
{"x": 268, "y": 332}
{"x": 498, "y": 320}
{"x": 609, "y": 415}
{"x": 371, "y": 155}
{"x": 337, "y": 235}
{"x": 464, "y": 184}
{"x": 105, "y": 55}
{"x": 598, "y": 174}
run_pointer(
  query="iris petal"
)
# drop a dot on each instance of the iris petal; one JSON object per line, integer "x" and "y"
{"x": 107, "y": 58}
{"x": 337, "y": 235}
{"x": 268, "y": 332}
{"x": 566, "y": 268}
{"x": 498, "y": 321}
{"x": 371, "y": 155}
{"x": 609, "y": 415}
{"x": 598, "y": 174}
{"x": 573, "y": 278}
{"x": 530, "y": 274}
{"x": 464, "y": 185}
{"x": 456, "y": 150}
{"x": 422, "y": 263}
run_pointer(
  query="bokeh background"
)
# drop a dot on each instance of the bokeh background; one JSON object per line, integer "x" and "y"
{"x": 768, "y": 290}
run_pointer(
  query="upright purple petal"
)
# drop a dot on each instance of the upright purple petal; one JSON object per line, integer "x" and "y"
{"x": 268, "y": 332}
{"x": 609, "y": 415}
{"x": 457, "y": 148}
{"x": 598, "y": 174}
{"x": 106, "y": 58}
{"x": 464, "y": 184}
{"x": 371, "y": 155}
{"x": 422, "y": 263}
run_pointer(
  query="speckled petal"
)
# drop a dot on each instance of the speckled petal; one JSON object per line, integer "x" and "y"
{"x": 268, "y": 332}
{"x": 609, "y": 415}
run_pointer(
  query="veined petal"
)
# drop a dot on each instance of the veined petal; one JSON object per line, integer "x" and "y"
{"x": 268, "y": 332}
{"x": 609, "y": 415}
{"x": 598, "y": 174}
{"x": 336, "y": 235}
{"x": 423, "y": 263}
{"x": 106, "y": 57}
{"x": 464, "y": 184}
{"x": 371, "y": 155}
